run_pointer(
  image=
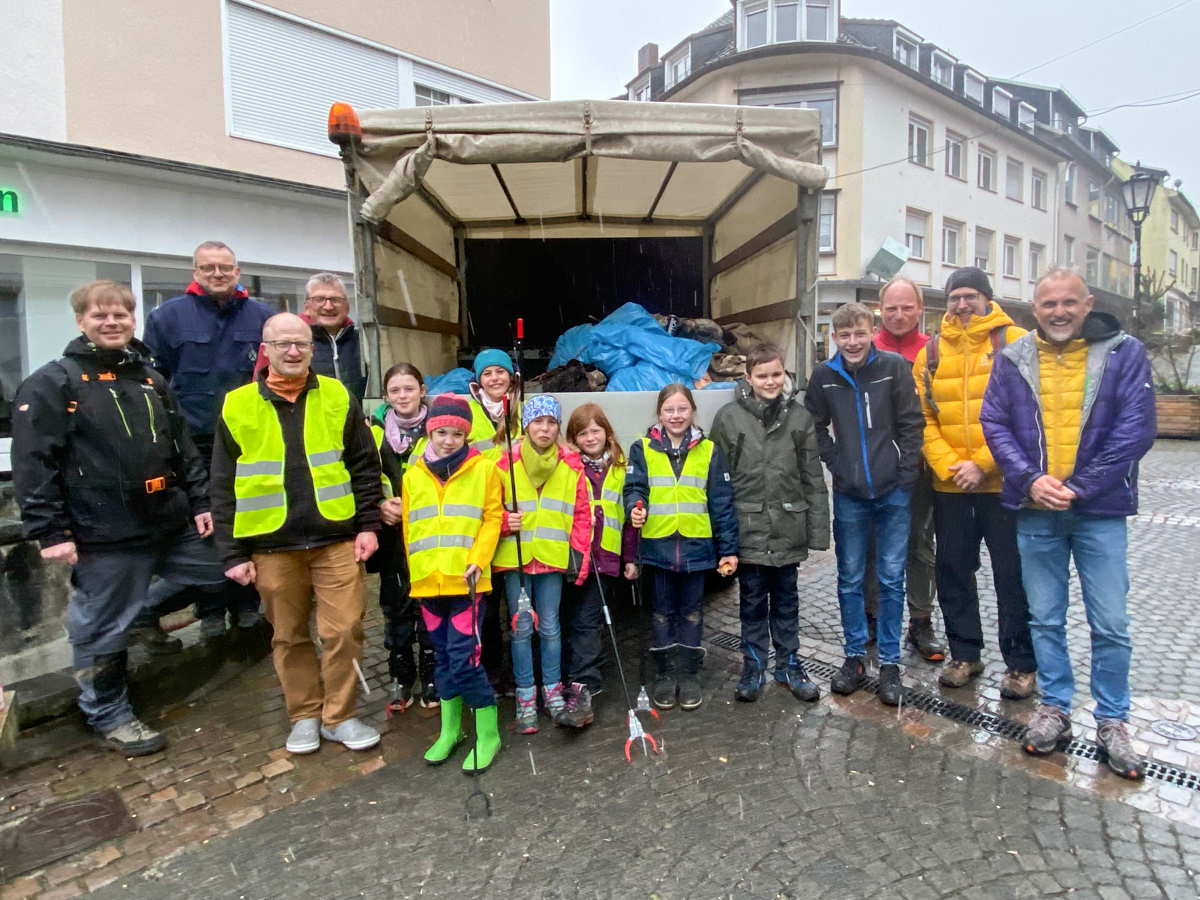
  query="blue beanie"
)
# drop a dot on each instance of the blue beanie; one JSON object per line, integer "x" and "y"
{"x": 538, "y": 405}
{"x": 492, "y": 357}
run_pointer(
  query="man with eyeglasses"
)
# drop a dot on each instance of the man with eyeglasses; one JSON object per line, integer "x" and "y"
{"x": 337, "y": 350}
{"x": 295, "y": 496}
{"x": 205, "y": 342}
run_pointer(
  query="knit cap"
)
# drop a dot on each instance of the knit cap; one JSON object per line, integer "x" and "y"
{"x": 449, "y": 411}
{"x": 969, "y": 277}
{"x": 492, "y": 357}
{"x": 538, "y": 405}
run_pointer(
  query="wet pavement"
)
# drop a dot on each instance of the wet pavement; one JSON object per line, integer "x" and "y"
{"x": 774, "y": 799}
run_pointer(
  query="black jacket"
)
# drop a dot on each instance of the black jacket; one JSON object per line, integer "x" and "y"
{"x": 305, "y": 527}
{"x": 91, "y": 475}
{"x": 340, "y": 356}
{"x": 878, "y": 426}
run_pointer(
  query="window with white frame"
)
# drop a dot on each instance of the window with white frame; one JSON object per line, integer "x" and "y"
{"x": 787, "y": 20}
{"x": 755, "y": 24}
{"x": 919, "y": 131}
{"x": 825, "y": 101}
{"x": 1069, "y": 184}
{"x": 1112, "y": 209}
{"x": 916, "y": 233}
{"x": 1014, "y": 180}
{"x": 973, "y": 86}
{"x": 640, "y": 90}
{"x": 956, "y": 159}
{"x": 1012, "y": 257}
{"x": 1172, "y": 263}
{"x": 1026, "y": 116}
{"x": 427, "y": 96}
{"x": 828, "y": 222}
{"x": 987, "y": 169}
{"x": 943, "y": 70}
{"x": 1002, "y": 103}
{"x": 817, "y": 20}
{"x": 907, "y": 52}
{"x": 1037, "y": 193}
{"x": 1037, "y": 253}
{"x": 984, "y": 241}
{"x": 1068, "y": 250}
{"x": 679, "y": 67}
{"x": 1175, "y": 221}
{"x": 951, "y": 242}
{"x": 763, "y": 22}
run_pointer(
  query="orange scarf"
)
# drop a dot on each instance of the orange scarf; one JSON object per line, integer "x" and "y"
{"x": 286, "y": 386}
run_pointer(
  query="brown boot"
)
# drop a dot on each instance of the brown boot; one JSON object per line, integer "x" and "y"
{"x": 958, "y": 673}
{"x": 1018, "y": 685}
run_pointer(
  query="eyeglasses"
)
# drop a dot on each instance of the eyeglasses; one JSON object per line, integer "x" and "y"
{"x": 321, "y": 301}
{"x": 285, "y": 346}
{"x": 211, "y": 269}
{"x": 963, "y": 298}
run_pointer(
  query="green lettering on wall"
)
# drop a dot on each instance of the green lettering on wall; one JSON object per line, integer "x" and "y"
{"x": 9, "y": 202}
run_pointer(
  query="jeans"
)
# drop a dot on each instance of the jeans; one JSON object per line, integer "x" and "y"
{"x": 583, "y": 612}
{"x": 677, "y": 614}
{"x": 547, "y": 597}
{"x": 1048, "y": 540}
{"x": 963, "y": 520}
{"x": 853, "y": 520}
{"x": 453, "y": 628}
{"x": 770, "y": 608}
{"x": 920, "y": 580}
{"x": 111, "y": 586}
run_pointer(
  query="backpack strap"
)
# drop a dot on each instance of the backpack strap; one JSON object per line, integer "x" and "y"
{"x": 931, "y": 364}
{"x": 75, "y": 379}
{"x": 999, "y": 338}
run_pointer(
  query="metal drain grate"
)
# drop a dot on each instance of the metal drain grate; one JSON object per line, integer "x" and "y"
{"x": 977, "y": 718}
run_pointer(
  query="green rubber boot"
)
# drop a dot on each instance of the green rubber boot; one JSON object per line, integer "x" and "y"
{"x": 487, "y": 740}
{"x": 452, "y": 733}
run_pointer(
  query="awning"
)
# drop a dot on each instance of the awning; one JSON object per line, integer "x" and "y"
{"x": 674, "y": 162}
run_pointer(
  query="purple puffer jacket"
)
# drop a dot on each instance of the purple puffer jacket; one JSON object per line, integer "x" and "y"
{"x": 1117, "y": 425}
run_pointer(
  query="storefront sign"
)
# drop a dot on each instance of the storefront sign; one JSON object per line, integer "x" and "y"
{"x": 9, "y": 202}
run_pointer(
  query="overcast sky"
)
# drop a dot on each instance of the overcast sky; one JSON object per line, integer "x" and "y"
{"x": 594, "y": 46}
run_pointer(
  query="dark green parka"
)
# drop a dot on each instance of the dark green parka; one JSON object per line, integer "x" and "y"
{"x": 778, "y": 488}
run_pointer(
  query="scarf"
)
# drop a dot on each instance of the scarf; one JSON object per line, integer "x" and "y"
{"x": 538, "y": 466}
{"x": 494, "y": 408}
{"x": 445, "y": 466}
{"x": 401, "y": 433}
{"x": 286, "y": 386}
{"x": 599, "y": 464}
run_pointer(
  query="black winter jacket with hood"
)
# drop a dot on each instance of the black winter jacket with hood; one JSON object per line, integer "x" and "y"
{"x": 92, "y": 474}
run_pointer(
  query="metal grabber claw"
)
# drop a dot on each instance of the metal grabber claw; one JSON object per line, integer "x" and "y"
{"x": 637, "y": 733}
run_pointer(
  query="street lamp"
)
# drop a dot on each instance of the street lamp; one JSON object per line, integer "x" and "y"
{"x": 1138, "y": 192}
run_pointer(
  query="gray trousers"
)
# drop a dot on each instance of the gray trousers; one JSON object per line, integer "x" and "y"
{"x": 920, "y": 572}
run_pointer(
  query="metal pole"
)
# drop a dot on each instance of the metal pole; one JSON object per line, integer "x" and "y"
{"x": 1137, "y": 275}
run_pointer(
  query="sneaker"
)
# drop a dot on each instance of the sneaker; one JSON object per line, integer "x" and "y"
{"x": 527, "y": 710}
{"x": 553, "y": 695}
{"x": 134, "y": 738}
{"x": 1049, "y": 730}
{"x": 797, "y": 681}
{"x": 850, "y": 677}
{"x": 872, "y": 631}
{"x": 354, "y": 733}
{"x": 921, "y": 636}
{"x": 749, "y": 686}
{"x": 891, "y": 688}
{"x": 212, "y": 627}
{"x": 151, "y": 636}
{"x": 401, "y": 697}
{"x": 958, "y": 673}
{"x": 429, "y": 696}
{"x": 250, "y": 618}
{"x": 305, "y": 736}
{"x": 1018, "y": 685}
{"x": 1113, "y": 738}
{"x": 577, "y": 711}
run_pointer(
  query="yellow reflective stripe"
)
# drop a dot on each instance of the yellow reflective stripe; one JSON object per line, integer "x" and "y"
{"x": 264, "y": 501}
{"x": 262, "y": 467}
{"x": 462, "y": 509}
{"x": 483, "y": 445}
{"x": 422, "y": 512}
{"x": 662, "y": 481}
{"x": 610, "y": 496}
{"x": 333, "y": 491}
{"x": 611, "y": 522}
{"x": 429, "y": 543}
{"x": 526, "y": 506}
{"x": 325, "y": 457}
{"x": 439, "y": 541}
{"x": 661, "y": 509}
{"x": 692, "y": 481}
{"x": 696, "y": 509}
{"x": 548, "y": 533}
{"x": 557, "y": 506}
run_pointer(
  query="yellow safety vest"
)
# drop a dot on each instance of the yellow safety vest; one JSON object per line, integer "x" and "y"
{"x": 258, "y": 485}
{"x": 678, "y": 506}
{"x": 483, "y": 432}
{"x": 547, "y": 518}
{"x": 442, "y": 529}
{"x": 417, "y": 450}
{"x": 614, "y": 510}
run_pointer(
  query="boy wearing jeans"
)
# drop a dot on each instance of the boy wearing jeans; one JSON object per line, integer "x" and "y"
{"x": 768, "y": 439}
{"x": 874, "y": 455}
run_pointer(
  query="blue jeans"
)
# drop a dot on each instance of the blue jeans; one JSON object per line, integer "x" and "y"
{"x": 1048, "y": 540}
{"x": 546, "y": 591}
{"x": 853, "y": 518}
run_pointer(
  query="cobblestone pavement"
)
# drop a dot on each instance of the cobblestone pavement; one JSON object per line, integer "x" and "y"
{"x": 763, "y": 800}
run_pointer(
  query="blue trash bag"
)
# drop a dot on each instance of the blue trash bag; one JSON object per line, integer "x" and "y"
{"x": 631, "y": 335}
{"x": 456, "y": 381}
{"x": 571, "y": 345}
{"x": 644, "y": 377}
{"x": 719, "y": 386}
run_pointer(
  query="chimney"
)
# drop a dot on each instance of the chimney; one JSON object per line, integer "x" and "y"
{"x": 647, "y": 57}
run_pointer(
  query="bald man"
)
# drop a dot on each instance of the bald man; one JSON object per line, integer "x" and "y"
{"x": 295, "y": 498}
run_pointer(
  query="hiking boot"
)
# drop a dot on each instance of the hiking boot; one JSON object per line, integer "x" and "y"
{"x": 1049, "y": 730}
{"x": 850, "y": 677}
{"x": 150, "y": 635}
{"x": 872, "y": 631}
{"x": 134, "y": 738}
{"x": 1113, "y": 738}
{"x": 797, "y": 681}
{"x": 891, "y": 688}
{"x": 429, "y": 696}
{"x": 749, "y": 686}
{"x": 487, "y": 740}
{"x": 553, "y": 696}
{"x": 666, "y": 664}
{"x": 689, "y": 677}
{"x": 250, "y": 618}
{"x": 577, "y": 711}
{"x": 305, "y": 736}
{"x": 921, "y": 636}
{"x": 353, "y": 733}
{"x": 527, "y": 710}
{"x": 451, "y": 735}
{"x": 958, "y": 673}
{"x": 212, "y": 628}
{"x": 1018, "y": 685}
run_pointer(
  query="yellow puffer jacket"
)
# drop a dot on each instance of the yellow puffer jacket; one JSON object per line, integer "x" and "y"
{"x": 1062, "y": 376}
{"x": 952, "y": 432}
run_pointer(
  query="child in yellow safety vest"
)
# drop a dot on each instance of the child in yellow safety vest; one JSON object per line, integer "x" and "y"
{"x": 451, "y": 511}
{"x": 495, "y": 380}
{"x": 399, "y": 430}
{"x": 552, "y": 514}
{"x": 678, "y": 492}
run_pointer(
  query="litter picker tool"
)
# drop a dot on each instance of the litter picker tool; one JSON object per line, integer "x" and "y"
{"x": 476, "y": 789}
{"x": 524, "y": 605}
